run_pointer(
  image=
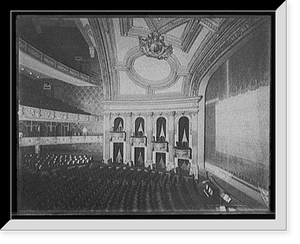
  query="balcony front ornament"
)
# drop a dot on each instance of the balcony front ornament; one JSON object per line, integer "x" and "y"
{"x": 154, "y": 46}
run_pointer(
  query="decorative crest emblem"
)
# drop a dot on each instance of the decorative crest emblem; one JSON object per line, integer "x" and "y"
{"x": 153, "y": 46}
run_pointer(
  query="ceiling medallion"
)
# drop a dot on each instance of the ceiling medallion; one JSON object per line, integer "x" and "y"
{"x": 153, "y": 46}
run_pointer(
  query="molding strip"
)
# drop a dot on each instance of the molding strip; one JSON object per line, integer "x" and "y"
{"x": 33, "y": 141}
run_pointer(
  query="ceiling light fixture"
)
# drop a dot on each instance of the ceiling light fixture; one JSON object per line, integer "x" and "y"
{"x": 154, "y": 46}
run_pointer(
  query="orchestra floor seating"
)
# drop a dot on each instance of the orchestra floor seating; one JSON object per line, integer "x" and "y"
{"x": 61, "y": 183}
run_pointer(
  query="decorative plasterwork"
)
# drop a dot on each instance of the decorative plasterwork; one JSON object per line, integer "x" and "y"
{"x": 181, "y": 105}
{"x": 154, "y": 46}
{"x": 128, "y": 66}
{"x": 34, "y": 141}
{"x": 32, "y": 113}
{"x": 190, "y": 34}
{"x": 152, "y": 24}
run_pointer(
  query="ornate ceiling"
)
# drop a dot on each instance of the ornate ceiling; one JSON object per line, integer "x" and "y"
{"x": 198, "y": 44}
{"x": 182, "y": 53}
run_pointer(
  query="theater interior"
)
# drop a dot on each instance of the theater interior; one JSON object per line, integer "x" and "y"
{"x": 143, "y": 115}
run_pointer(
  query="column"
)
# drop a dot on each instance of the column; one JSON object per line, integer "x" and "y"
{"x": 201, "y": 134}
{"x": 149, "y": 121}
{"x": 171, "y": 135}
{"x": 128, "y": 126}
{"x": 106, "y": 136}
{"x": 194, "y": 132}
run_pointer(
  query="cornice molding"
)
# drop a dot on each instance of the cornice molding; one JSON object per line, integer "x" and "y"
{"x": 156, "y": 106}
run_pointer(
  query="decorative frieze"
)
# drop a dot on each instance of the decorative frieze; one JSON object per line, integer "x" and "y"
{"x": 139, "y": 141}
{"x": 83, "y": 117}
{"x": 49, "y": 61}
{"x": 33, "y": 141}
{"x": 156, "y": 106}
{"x": 118, "y": 136}
{"x": 160, "y": 146}
{"x": 31, "y": 113}
{"x": 60, "y": 115}
{"x": 46, "y": 114}
{"x": 182, "y": 153}
{"x": 62, "y": 67}
{"x": 34, "y": 52}
{"x": 73, "y": 117}
{"x": 74, "y": 73}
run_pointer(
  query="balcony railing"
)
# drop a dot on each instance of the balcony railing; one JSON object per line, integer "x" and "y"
{"x": 160, "y": 146}
{"x": 31, "y": 113}
{"x": 38, "y": 55}
{"x": 119, "y": 136}
{"x": 32, "y": 141}
{"x": 182, "y": 153}
{"x": 139, "y": 141}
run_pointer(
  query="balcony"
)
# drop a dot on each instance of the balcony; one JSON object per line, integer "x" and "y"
{"x": 139, "y": 141}
{"x": 32, "y": 141}
{"x": 118, "y": 136}
{"x": 160, "y": 146}
{"x": 32, "y": 113}
{"x": 183, "y": 153}
{"x": 34, "y": 59}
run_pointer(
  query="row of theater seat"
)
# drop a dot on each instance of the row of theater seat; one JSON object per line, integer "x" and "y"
{"x": 36, "y": 162}
{"x": 111, "y": 189}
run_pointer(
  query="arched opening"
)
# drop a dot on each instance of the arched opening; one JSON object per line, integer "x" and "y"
{"x": 118, "y": 124}
{"x": 139, "y": 128}
{"x": 183, "y": 133}
{"x": 161, "y": 129}
{"x": 42, "y": 129}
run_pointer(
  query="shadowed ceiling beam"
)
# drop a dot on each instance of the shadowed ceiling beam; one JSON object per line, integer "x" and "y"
{"x": 171, "y": 24}
{"x": 190, "y": 34}
{"x": 152, "y": 26}
{"x": 125, "y": 25}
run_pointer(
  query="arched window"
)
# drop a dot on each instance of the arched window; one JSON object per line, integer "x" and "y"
{"x": 183, "y": 132}
{"x": 139, "y": 126}
{"x": 118, "y": 124}
{"x": 161, "y": 129}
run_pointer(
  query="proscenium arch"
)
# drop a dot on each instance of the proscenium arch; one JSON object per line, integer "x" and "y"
{"x": 201, "y": 91}
{"x": 201, "y": 86}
